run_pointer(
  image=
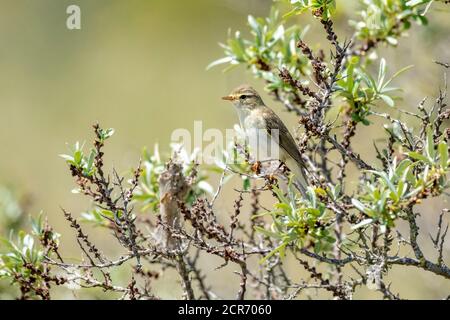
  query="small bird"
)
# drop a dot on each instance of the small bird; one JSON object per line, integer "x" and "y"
{"x": 264, "y": 129}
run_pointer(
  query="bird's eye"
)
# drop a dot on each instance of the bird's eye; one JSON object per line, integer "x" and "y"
{"x": 243, "y": 96}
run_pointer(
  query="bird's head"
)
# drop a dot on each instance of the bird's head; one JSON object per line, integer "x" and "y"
{"x": 244, "y": 97}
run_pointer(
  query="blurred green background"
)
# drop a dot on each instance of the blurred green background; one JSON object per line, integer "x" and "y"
{"x": 139, "y": 66}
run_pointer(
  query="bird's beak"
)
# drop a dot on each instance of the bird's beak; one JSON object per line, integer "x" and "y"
{"x": 229, "y": 98}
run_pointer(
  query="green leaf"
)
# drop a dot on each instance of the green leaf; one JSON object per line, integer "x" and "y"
{"x": 393, "y": 41}
{"x": 381, "y": 72}
{"x": 279, "y": 33}
{"x": 395, "y": 75}
{"x": 443, "y": 153}
{"x": 238, "y": 48}
{"x": 253, "y": 23}
{"x": 295, "y": 11}
{"x": 219, "y": 62}
{"x": 421, "y": 20}
{"x": 417, "y": 156}
{"x": 90, "y": 163}
{"x": 246, "y": 183}
{"x": 107, "y": 133}
{"x": 280, "y": 195}
{"x": 312, "y": 197}
{"x": 385, "y": 177}
{"x": 388, "y": 100}
{"x": 283, "y": 206}
{"x": 66, "y": 157}
{"x": 358, "y": 204}
{"x": 413, "y": 3}
{"x": 402, "y": 166}
{"x": 268, "y": 233}
{"x": 427, "y": 7}
{"x": 430, "y": 145}
{"x": 363, "y": 223}
{"x": 77, "y": 157}
{"x": 280, "y": 249}
{"x": 401, "y": 189}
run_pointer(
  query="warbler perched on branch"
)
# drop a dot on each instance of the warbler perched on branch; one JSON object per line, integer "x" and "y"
{"x": 268, "y": 137}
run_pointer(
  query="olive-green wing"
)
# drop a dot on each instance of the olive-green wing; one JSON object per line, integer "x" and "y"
{"x": 286, "y": 141}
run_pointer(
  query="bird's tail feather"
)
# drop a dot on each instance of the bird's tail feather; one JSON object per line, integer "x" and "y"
{"x": 300, "y": 182}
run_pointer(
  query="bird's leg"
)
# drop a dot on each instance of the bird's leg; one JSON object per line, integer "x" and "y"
{"x": 282, "y": 166}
